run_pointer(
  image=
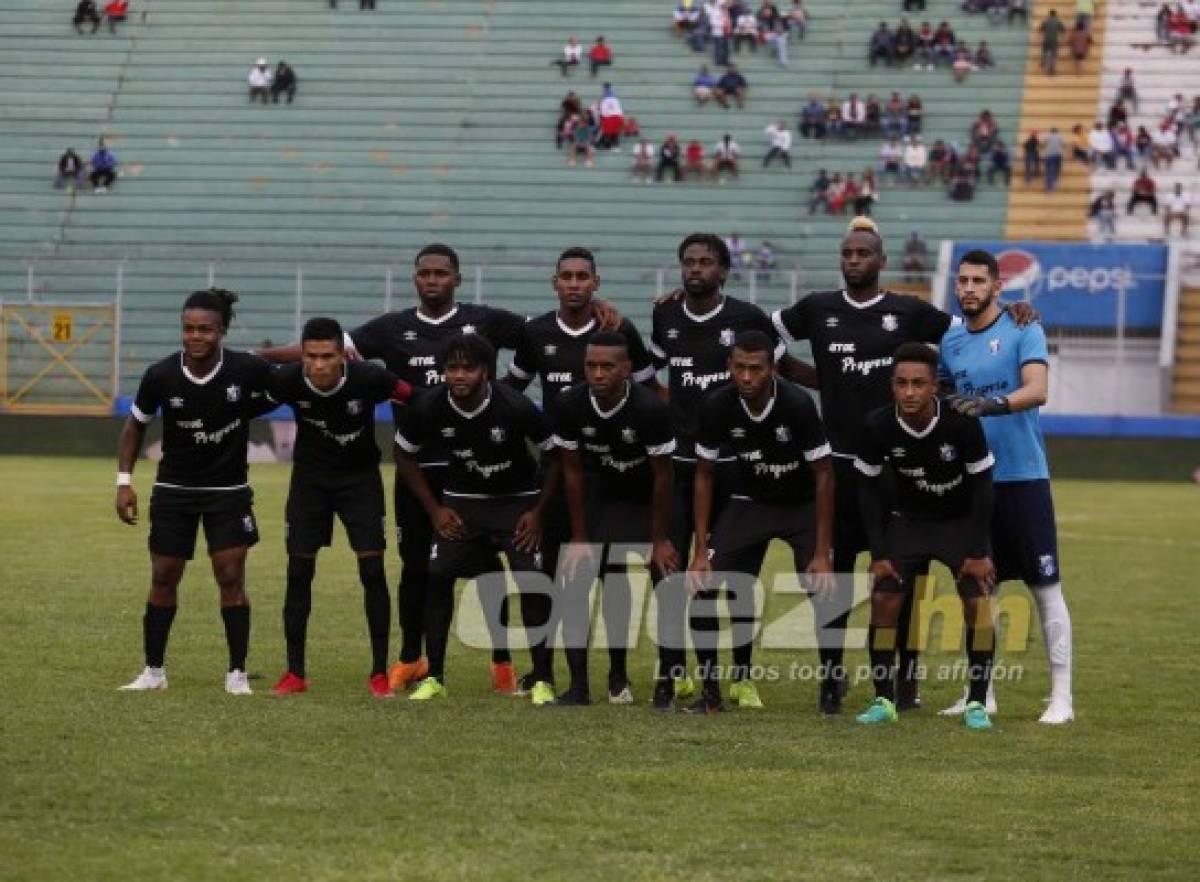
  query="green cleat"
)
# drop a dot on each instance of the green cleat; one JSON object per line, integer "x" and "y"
{"x": 976, "y": 716}
{"x": 880, "y": 711}
{"x": 745, "y": 694}
{"x": 428, "y": 689}
{"x": 685, "y": 688}
{"x": 541, "y": 694}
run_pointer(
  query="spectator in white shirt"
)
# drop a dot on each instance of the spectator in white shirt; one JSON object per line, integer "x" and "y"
{"x": 781, "y": 143}
{"x": 725, "y": 157}
{"x": 916, "y": 158}
{"x": 1164, "y": 145}
{"x": 572, "y": 56}
{"x": 643, "y": 161}
{"x": 854, "y": 114}
{"x": 891, "y": 159}
{"x": 1178, "y": 206}
{"x": 1101, "y": 147}
{"x": 259, "y": 80}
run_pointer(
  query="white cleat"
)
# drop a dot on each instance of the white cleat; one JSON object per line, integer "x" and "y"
{"x": 236, "y": 683}
{"x": 1060, "y": 712}
{"x": 625, "y": 696}
{"x": 960, "y": 707}
{"x": 149, "y": 680}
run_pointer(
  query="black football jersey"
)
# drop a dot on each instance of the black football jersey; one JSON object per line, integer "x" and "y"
{"x": 555, "y": 353}
{"x": 695, "y": 350}
{"x": 335, "y": 430}
{"x": 206, "y": 420}
{"x": 852, "y": 346}
{"x": 772, "y": 450}
{"x": 930, "y": 467}
{"x": 488, "y": 448}
{"x": 616, "y": 445}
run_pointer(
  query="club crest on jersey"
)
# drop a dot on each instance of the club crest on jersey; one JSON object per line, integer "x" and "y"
{"x": 497, "y": 434}
{"x": 550, "y": 349}
{"x": 1046, "y": 565}
{"x": 234, "y": 392}
{"x": 628, "y": 436}
{"x": 468, "y": 329}
{"x": 248, "y": 523}
{"x": 354, "y": 407}
{"x": 448, "y": 432}
{"x": 890, "y": 322}
{"x": 994, "y": 345}
{"x": 782, "y": 435}
{"x": 672, "y": 333}
{"x": 947, "y": 452}
{"x": 726, "y": 336}
{"x": 176, "y": 402}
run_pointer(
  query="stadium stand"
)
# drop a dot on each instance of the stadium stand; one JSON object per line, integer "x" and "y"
{"x": 420, "y": 122}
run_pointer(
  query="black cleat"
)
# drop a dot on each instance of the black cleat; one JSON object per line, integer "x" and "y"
{"x": 576, "y": 696}
{"x": 908, "y": 696}
{"x": 664, "y": 697}
{"x": 830, "y": 700}
{"x": 709, "y": 703}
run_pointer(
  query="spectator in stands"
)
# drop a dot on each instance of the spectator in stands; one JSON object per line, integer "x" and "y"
{"x": 983, "y": 59}
{"x": 913, "y": 6}
{"x": 1051, "y": 29}
{"x": 999, "y": 163}
{"x": 834, "y": 127}
{"x": 916, "y": 159}
{"x": 612, "y": 119}
{"x": 70, "y": 168}
{"x": 600, "y": 55}
{"x": 818, "y": 192}
{"x": 780, "y": 137}
{"x": 737, "y": 254}
{"x": 891, "y": 159}
{"x": 1162, "y": 23}
{"x": 1122, "y": 137}
{"x": 1127, "y": 91}
{"x": 1104, "y": 210}
{"x": 693, "y": 160}
{"x": 567, "y": 109}
{"x": 1052, "y": 158}
{"x": 725, "y": 157}
{"x": 104, "y": 168}
{"x": 1178, "y": 208}
{"x": 86, "y": 11}
{"x": 984, "y": 131}
{"x": 703, "y": 86}
{"x": 812, "y": 118}
{"x": 366, "y": 4}
{"x": 719, "y": 27}
{"x": 1031, "y": 151}
{"x": 1164, "y": 145}
{"x": 685, "y": 17}
{"x": 915, "y": 113}
{"x": 868, "y": 192}
{"x": 894, "y": 123}
{"x": 940, "y": 159}
{"x": 854, "y": 116}
{"x": 283, "y": 82}
{"x": 916, "y": 258}
{"x": 1180, "y": 31}
{"x": 1143, "y": 191}
{"x": 778, "y": 38}
{"x": 874, "y": 112}
{"x": 1018, "y": 9}
{"x": 768, "y": 18}
{"x": 1117, "y": 114}
{"x": 643, "y": 161}
{"x": 1143, "y": 143}
{"x": 1079, "y": 144}
{"x": 962, "y": 183}
{"x": 962, "y": 63}
{"x": 745, "y": 28}
{"x": 580, "y": 134}
{"x": 797, "y": 19}
{"x": 116, "y": 11}
{"x": 943, "y": 45}
{"x": 904, "y": 44}
{"x": 1085, "y": 11}
{"x": 835, "y": 194}
{"x": 260, "y": 81}
{"x": 880, "y": 46}
{"x": 731, "y": 85}
{"x": 1100, "y": 147}
{"x": 1080, "y": 43}
{"x": 1193, "y": 120}
{"x": 668, "y": 159}
{"x": 572, "y": 55}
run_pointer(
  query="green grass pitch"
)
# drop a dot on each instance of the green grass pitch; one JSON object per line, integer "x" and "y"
{"x": 194, "y": 784}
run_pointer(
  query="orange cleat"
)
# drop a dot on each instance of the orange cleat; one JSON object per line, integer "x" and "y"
{"x": 290, "y": 684}
{"x": 504, "y": 678}
{"x": 379, "y": 686}
{"x": 405, "y": 674}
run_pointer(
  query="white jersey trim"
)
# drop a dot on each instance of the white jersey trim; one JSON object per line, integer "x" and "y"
{"x": 869, "y": 470}
{"x": 937, "y": 415}
{"x": 200, "y": 381}
{"x": 766, "y": 412}
{"x": 136, "y": 413}
{"x": 518, "y": 372}
{"x": 646, "y": 373}
{"x": 777, "y": 321}
{"x": 562, "y": 442}
{"x": 974, "y": 468}
{"x": 334, "y": 391}
{"x": 436, "y": 321}
{"x": 707, "y": 453}
{"x": 406, "y": 445}
{"x": 703, "y": 318}
{"x": 573, "y": 332}
{"x": 182, "y": 487}
{"x": 866, "y": 304}
{"x": 661, "y": 449}
{"x": 818, "y": 453}
{"x": 491, "y": 495}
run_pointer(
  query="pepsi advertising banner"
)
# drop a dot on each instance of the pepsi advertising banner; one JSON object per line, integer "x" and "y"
{"x": 1079, "y": 285}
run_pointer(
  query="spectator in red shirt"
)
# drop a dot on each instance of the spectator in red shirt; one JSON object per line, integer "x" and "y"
{"x": 115, "y": 11}
{"x": 1143, "y": 191}
{"x": 693, "y": 159}
{"x": 600, "y": 55}
{"x": 1080, "y": 42}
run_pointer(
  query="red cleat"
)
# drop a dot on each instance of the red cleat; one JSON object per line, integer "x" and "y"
{"x": 379, "y": 687}
{"x": 504, "y": 678}
{"x": 290, "y": 684}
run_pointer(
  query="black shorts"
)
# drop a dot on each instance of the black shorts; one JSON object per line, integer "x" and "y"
{"x": 175, "y": 516}
{"x": 849, "y": 535}
{"x": 912, "y": 545}
{"x": 1024, "y": 535}
{"x": 745, "y": 528}
{"x": 355, "y": 497}
{"x": 488, "y": 527}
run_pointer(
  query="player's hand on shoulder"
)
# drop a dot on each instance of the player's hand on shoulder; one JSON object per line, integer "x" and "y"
{"x": 606, "y": 314}
{"x": 676, "y": 294}
{"x": 1022, "y": 313}
{"x": 447, "y": 523}
{"x": 882, "y": 570}
{"x": 980, "y": 570}
{"x": 126, "y": 505}
{"x": 527, "y": 535}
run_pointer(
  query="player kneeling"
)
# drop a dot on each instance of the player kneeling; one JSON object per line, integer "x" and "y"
{"x": 941, "y": 511}
{"x": 335, "y": 472}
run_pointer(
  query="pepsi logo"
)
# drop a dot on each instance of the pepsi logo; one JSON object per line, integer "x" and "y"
{"x": 1019, "y": 270}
